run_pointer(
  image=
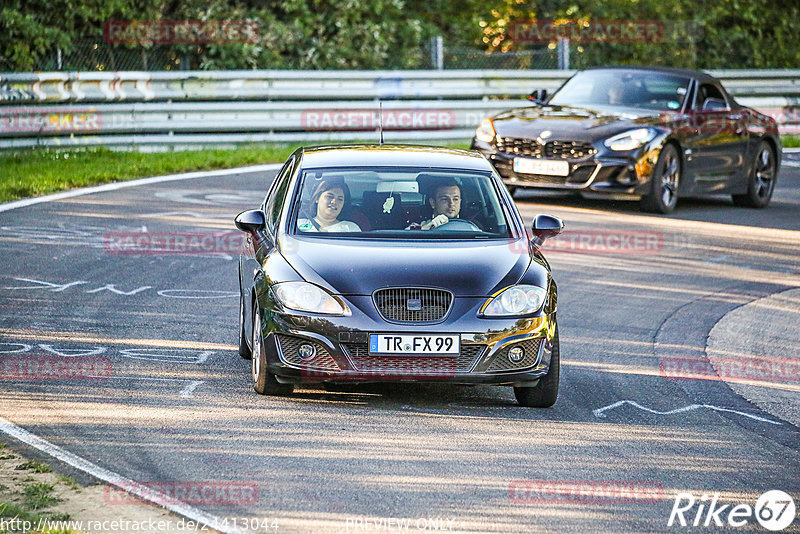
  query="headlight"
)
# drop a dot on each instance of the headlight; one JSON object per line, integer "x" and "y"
{"x": 630, "y": 140}
{"x": 516, "y": 300}
{"x": 485, "y": 131}
{"x": 306, "y": 297}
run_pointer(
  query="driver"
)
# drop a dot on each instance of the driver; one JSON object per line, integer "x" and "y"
{"x": 446, "y": 204}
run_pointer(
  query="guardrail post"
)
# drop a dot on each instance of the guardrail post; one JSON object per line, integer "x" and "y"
{"x": 562, "y": 50}
{"x": 437, "y": 52}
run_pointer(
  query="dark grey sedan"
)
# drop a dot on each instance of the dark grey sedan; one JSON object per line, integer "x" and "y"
{"x": 396, "y": 263}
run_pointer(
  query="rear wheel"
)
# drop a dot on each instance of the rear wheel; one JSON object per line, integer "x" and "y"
{"x": 244, "y": 349}
{"x": 663, "y": 194}
{"x": 762, "y": 179}
{"x": 545, "y": 393}
{"x": 264, "y": 382}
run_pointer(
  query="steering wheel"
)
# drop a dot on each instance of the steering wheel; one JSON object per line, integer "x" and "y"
{"x": 457, "y": 225}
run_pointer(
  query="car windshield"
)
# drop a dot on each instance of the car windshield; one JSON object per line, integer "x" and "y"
{"x": 635, "y": 89}
{"x": 392, "y": 203}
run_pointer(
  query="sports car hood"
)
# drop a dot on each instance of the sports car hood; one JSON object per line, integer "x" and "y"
{"x": 574, "y": 123}
{"x": 359, "y": 267}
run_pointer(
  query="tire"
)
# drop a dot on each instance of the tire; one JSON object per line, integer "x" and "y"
{"x": 761, "y": 182}
{"x": 545, "y": 393}
{"x": 244, "y": 349}
{"x": 664, "y": 184}
{"x": 264, "y": 382}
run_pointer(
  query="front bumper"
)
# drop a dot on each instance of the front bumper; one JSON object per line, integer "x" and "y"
{"x": 341, "y": 350}
{"x": 617, "y": 173}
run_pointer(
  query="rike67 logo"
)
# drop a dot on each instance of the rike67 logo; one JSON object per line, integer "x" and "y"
{"x": 774, "y": 510}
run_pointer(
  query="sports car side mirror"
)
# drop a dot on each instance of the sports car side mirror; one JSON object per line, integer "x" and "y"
{"x": 251, "y": 221}
{"x": 538, "y": 96}
{"x": 545, "y": 227}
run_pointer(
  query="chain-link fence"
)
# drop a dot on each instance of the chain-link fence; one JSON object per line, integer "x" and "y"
{"x": 98, "y": 55}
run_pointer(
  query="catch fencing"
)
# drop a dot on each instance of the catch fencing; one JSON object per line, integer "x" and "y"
{"x": 190, "y": 109}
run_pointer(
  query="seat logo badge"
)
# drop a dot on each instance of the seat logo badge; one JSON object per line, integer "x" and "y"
{"x": 414, "y": 304}
{"x": 544, "y": 135}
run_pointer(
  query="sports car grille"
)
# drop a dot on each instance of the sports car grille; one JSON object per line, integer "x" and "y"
{"x": 551, "y": 149}
{"x": 500, "y": 361}
{"x": 414, "y": 365}
{"x": 321, "y": 360}
{"x": 412, "y": 305}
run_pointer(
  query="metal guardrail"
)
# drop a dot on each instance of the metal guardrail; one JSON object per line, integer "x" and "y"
{"x": 187, "y": 108}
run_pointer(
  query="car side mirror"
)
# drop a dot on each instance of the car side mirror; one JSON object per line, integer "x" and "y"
{"x": 539, "y": 96}
{"x": 714, "y": 104}
{"x": 545, "y": 227}
{"x": 251, "y": 221}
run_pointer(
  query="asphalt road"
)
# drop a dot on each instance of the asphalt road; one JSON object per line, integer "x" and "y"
{"x": 173, "y": 403}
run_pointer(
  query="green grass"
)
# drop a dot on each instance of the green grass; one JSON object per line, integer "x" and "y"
{"x": 33, "y": 465}
{"x": 10, "y": 511}
{"x": 39, "y": 172}
{"x": 790, "y": 141}
{"x": 39, "y": 495}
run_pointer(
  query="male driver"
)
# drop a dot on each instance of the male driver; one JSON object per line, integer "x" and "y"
{"x": 446, "y": 204}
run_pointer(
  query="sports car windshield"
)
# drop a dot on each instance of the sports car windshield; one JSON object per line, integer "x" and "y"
{"x": 392, "y": 203}
{"x": 635, "y": 89}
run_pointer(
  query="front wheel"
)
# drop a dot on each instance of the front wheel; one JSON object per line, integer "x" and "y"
{"x": 663, "y": 194}
{"x": 762, "y": 179}
{"x": 545, "y": 393}
{"x": 264, "y": 382}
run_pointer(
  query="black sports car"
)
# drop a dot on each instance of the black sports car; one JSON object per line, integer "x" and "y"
{"x": 652, "y": 133}
{"x": 398, "y": 263}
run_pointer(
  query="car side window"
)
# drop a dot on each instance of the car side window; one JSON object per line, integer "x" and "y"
{"x": 710, "y": 98}
{"x": 274, "y": 203}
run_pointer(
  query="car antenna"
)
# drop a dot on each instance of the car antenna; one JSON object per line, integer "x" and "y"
{"x": 380, "y": 119}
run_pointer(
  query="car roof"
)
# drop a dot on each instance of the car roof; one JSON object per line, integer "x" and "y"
{"x": 699, "y": 75}
{"x": 392, "y": 156}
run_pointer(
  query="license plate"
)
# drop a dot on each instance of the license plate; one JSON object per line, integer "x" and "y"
{"x": 547, "y": 167}
{"x": 411, "y": 344}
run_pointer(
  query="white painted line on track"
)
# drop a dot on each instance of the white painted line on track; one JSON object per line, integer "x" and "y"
{"x": 134, "y": 183}
{"x": 187, "y": 392}
{"x": 600, "y": 412}
{"x": 110, "y": 477}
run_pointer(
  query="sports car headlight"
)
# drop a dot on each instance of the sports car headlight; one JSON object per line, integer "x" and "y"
{"x": 630, "y": 140}
{"x": 485, "y": 131}
{"x": 302, "y": 296}
{"x": 516, "y": 300}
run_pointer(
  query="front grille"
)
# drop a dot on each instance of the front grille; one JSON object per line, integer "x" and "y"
{"x": 413, "y": 305}
{"x": 364, "y": 362}
{"x": 322, "y": 360}
{"x": 500, "y": 361}
{"x": 551, "y": 149}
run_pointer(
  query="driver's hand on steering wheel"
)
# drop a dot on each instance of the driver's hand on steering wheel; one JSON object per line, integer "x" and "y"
{"x": 436, "y": 221}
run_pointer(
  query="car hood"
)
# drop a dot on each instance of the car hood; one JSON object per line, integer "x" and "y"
{"x": 359, "y": 267}
{"x": 573, "y": 123}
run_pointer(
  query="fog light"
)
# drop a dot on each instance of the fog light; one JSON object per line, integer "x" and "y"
{"x": 306, "y": 351}
{"x": 516, "y": 354}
